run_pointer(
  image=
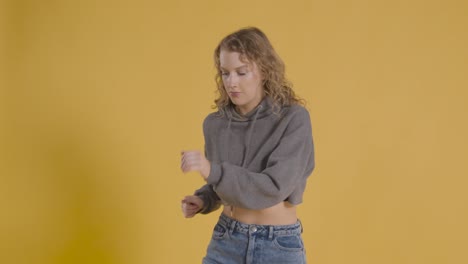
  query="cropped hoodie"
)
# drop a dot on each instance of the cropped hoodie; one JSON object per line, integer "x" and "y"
{"x": 259, "y": 159}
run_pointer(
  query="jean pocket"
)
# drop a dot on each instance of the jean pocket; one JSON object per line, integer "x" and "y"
{"x": 289, "y": 243}
{"x": 219, "y": 231}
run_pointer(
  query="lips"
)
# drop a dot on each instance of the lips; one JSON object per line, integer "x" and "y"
{"x": 234, "y": 94}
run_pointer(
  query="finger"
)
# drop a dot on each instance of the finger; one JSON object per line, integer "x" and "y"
{"x": 192, "y": 208}
{"x": 190, "y": 162}
{"x": 186, "y": 165}
{"x": 194, "y": 200}
{"x": 190, "y": 158}
{"x": 187, "y": 200}
{"x": 191, "y": 154}
{"x": 191, "y": 167}
{"x": 189, "y": 215}
{"x": 186, "y": 205}
{"x": 186, "y": 156}
{"x": 182, "y": 163}
{"x": 189, "y": 204}
{"x": 183, "y": 160}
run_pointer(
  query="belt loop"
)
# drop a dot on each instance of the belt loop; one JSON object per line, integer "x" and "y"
{"x": 270, "y": 233}
{"x": 233, "y": 225}
{"x": 300, "y": 223}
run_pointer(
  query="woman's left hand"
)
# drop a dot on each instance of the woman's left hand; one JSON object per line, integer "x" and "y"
{"x": 194, "y": 160}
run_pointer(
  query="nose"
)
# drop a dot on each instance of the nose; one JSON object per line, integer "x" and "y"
{"x": 232, "y": 81}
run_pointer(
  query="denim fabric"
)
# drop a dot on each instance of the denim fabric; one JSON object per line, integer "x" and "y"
{"x": 234, "y": 242}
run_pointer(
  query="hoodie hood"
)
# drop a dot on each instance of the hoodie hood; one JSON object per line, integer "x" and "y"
{"x": 264, "y": 109}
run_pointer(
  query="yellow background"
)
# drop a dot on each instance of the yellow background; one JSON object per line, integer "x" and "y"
{"x": 98, "y": 99}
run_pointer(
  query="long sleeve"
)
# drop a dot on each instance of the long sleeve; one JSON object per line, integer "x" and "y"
{"x": 211, "y": 201}
{"x": 287, "y": 167}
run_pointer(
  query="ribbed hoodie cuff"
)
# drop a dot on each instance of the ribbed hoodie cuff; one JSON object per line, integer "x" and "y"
{"x": 215, "y": 174}
{"x": 207, "y": 205}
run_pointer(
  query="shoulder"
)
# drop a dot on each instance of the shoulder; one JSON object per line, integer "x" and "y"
{"x": 296, "y": 112}
{"x": 297, "y": 118}
{"x": 212, "y": 119}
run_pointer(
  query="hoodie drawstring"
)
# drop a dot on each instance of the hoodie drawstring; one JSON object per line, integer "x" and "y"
{"x": 249, "y": 136}
{"x": 228, "y": 133}
{"x": 247, "y": 141}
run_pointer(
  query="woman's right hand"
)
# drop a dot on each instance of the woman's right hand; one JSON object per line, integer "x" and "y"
{"x": 191, "y": 205}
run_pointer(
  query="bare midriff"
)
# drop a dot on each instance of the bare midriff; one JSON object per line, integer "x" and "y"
{"x": 283, "y": 213}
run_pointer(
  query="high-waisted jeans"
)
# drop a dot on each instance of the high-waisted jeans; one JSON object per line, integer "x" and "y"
{"x": 234, "y": 242}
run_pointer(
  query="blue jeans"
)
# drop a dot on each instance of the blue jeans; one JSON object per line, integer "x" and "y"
{"x": 234, "y": 242}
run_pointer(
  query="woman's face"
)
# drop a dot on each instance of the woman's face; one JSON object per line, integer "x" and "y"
{"x": 242, "y": 81}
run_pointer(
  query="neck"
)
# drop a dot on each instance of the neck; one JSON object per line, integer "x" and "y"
{"x": 244, "y": 110}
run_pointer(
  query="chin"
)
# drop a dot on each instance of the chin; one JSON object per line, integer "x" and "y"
{"x": 236, "y": 102}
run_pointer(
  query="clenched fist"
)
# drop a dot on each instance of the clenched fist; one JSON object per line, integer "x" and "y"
{"x": 191, "y": 205}
{"x": 194, "y": 160}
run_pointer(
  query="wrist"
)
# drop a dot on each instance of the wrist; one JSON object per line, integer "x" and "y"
{"x": 206, "y": 171}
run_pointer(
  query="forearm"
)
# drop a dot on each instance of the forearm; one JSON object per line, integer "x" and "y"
{"x": 211, "y": 201}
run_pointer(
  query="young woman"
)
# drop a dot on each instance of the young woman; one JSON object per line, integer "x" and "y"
{"x": 259, "y": 154}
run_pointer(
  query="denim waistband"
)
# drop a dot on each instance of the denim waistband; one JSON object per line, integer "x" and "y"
{"x": 260, "y": 230}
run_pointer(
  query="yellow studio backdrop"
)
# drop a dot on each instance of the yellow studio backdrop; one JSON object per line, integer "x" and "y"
{"x": 98, "y": 99}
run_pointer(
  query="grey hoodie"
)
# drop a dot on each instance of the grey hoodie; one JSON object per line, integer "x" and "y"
{"x": 259, "y": 159}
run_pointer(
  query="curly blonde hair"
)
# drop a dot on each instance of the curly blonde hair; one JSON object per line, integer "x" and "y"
{"x": 254, "y": 46}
